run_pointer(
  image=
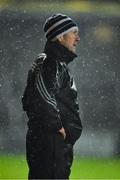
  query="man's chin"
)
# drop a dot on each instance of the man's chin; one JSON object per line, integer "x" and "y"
{"x": 73, "y": 50}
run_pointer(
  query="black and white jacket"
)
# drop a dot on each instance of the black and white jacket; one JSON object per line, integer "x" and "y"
{"x": 50, "y": 97}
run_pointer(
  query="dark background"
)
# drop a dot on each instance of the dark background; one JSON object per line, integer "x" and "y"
{"x": 96, "y": 72}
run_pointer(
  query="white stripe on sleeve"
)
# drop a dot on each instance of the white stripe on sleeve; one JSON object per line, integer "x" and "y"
{"x": 43, "y": 91}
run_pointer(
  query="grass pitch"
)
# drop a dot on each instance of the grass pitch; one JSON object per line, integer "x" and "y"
{"x": 15, "y": 167}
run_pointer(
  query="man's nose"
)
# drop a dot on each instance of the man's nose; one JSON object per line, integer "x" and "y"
{"x": 78, "y": 38}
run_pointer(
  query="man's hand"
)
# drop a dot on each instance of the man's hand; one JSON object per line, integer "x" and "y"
{"x": 62, "y": 131}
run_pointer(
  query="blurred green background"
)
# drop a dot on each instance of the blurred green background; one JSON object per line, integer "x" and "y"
{"x": 15, "y": 167}
{"x": 96, "y": 72}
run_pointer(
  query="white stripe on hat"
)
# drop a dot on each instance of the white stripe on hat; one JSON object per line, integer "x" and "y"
{"x": 65, "y": 32}
{"x": 56, "y": 24}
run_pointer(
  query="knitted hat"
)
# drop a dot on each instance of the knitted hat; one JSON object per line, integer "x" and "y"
{"x": 58, "y": 25}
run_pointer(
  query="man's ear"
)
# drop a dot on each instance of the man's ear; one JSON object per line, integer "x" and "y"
{"x": 60, "y": 38}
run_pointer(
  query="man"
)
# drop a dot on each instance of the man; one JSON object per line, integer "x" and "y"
{"x": 50, "y": 101}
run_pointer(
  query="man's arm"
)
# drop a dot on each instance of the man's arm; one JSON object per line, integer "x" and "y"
{"x": 47, "y": 85}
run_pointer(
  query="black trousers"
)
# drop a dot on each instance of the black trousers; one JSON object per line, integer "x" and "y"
{"x": 49, "y": 156}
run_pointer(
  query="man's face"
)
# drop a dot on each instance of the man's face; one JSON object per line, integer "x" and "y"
{"x": 70, "y": 40}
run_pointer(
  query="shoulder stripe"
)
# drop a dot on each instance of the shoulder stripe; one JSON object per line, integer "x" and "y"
{"x": 40, "y": 81}
{"x": 43, "y": 91}
{"x": 43, "y": 86}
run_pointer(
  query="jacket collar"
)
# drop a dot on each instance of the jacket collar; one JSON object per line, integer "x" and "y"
{"x": 58, "y": 52}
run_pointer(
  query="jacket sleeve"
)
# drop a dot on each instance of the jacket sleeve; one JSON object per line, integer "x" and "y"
{"x": 68, "y": 102}
{"x": 75, "y": 125}
{"x": 47, "y": 86}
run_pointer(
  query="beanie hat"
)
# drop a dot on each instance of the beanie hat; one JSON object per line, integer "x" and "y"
{"x": 58, "y": 25}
